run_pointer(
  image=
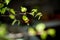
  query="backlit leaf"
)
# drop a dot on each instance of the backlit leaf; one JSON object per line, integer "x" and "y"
{"x": 7, "y": 2}
{"x": 23, "y": 9}
{"x": 40, "y": 27}
{"x": 2, "y": 30}
{"x": 12, "y": 11}
{"x": 39, "y": 14}
{"x": 12, "y": 16}
{"x": 43, "y": 35}
{"x": 31, "y": 32}
{"x": 32, "y": 13}
{"x": 25, "y": 18}
{"x": 51, "y": 32}
{"x": 34, "y": 10}
{"x": 14, "y": 22}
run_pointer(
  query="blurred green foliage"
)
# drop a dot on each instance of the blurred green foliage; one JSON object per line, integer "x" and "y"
{"x": 44, "y": 35}
{"x": 3, "y": 10}
{"x": 40, "y": 27}
{"x": 7, "y": 1}
{"x": 31, "y": 31}
{"x": 1, "y": 5}
{"x": 51, "y": 32}
{"x": 3, "y": 30}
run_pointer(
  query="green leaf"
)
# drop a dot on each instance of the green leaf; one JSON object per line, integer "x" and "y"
{"x": 3, "y": 10}
{"x": 7, "y": 2}
{"x": 44, "y": 35}
{"x": 39, "y": 14}
{"x": 12, "y": 11}
{"x": 12, "y": 16}
{"x": 3, "y": 30}
{"x": 40, "y": 27}
{"x": 32, "y": 13}
{"x": 34, "y": 10}
{"x": 31, "y": 32}
{"x": 51, "y": 32}
{"x": 25, "y": 18}
{"x": 14, "y": 22}
{"x": 23, "y": 9}
{"x": 1, "y": 5}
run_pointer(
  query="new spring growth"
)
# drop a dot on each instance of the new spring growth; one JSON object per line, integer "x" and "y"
{"x": 23, "y": 9}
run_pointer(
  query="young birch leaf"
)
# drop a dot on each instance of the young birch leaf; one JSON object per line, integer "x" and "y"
{"x": 25, "y": 18}
{"x": 40, "y": 27}
{"x": 12, "y": 16}
{"x": 14, "y": 22}
{"x": 7, "y": 2}
{"x": 31, "y": 32}
{"x": 3, "y": 10}
{"x": 43, "y": 35}
{"x": 34, "y": 10}
{"x": 51, "y": 32}
{"x": 23, "y": 9}
{"x": 39, "y": 14}
{"x": 32, "y": 13}
{"x": 12, "y": 11}
{"x": 2, "y": 30}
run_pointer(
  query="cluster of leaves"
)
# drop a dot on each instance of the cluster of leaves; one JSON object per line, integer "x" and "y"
{"x": 3, "y": 8}
{"x": 12, "y": 14}
{"x": 40, "y": 31}
{"x": 31, "y": 31}
{"x": 24, "y": 17}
